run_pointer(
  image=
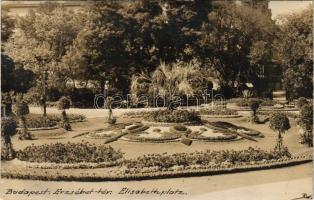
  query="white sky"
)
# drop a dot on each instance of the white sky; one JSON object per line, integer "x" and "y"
{"x": 286, "y": 7}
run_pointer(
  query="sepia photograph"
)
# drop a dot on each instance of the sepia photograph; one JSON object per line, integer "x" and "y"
{"x": 156, "y": 99}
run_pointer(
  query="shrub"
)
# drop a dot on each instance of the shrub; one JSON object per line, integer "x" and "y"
{"x": 8, "y": 128}
{"x": 301, "y": 102}
{"x": 63, "y": 104}
{"x": 279, "y": 122}
{"x": 306, "y": 122}
{"x": 21, "y": 109}
{"x": 202, "y": 159}
{"x": 254, "y": 105}
{"x": 69, "y": 153}
{"x": 175, "y": 116}
{"x": 217, "y": 111}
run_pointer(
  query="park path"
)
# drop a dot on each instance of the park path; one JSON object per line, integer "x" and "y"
{"x": 274, "y": 184}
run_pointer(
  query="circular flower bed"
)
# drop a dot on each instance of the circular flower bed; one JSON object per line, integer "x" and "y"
{"x": 180, "y": 129}
{"x": 69, "y": 153}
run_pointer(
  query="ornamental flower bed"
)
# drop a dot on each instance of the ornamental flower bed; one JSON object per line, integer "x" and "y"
{"x": 217, "y": 112}
{"x": 69, "y": 153}
{"x": 174, "y": 116}
{"x": 38, "y": 121}
{"x": 201, "y": 160}
{"x": 159, "y": 166}
{"x": 235, "y": 129}
{"x": 164, "y": 137}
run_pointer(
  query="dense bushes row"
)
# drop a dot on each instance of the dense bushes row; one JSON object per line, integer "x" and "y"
{"x": 226, "y": 158}
{"x": 245, "y": 102}
{"x": 175, "y": 116}
{"x": 217, "y": 112}
{"x": 38, "y": 121}
{"x": 69, "y": 153}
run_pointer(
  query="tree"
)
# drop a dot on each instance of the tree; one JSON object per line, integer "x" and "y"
{"x": 306, "y": 122}
{"x": 254, "y": 105}
{"x": 302, "y": 102}
{"x": 63, "y": 104}
{"x": 169, "y": 81}
{"x": 236, "y": 45}
{"x": 279, "y": 122}
{"x": 21, "y": 109}
{"x": 42, "y": 40}
{"x": 8, "y": 128}
{"x": 294, "y": 53}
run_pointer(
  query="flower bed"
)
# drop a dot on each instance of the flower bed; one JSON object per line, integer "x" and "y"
{"x": 69, "y": 153}
{"x": 162, "y": 168}
{"x": 175, "y": 116}
{"x": 236, "y": 129}
{"x": 218, "y": 112}
{"x": 38, "y": 122}
{"x": 106, "y": 133}
{"x": 164, "y": 137}
{"x": 82, "y": 165}
{"x": 211, "y": 135}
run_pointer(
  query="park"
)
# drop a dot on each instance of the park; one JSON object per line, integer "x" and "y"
{"x": 156, "y": 91}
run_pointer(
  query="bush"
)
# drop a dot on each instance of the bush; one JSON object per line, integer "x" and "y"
{"x": 69, "y": 153}
{"x": 8, "y": 129}
{"x": 301, "y": 102}
{"x": 38, "y": 121}
{"x": 8, "y": 126}
{"x": 64, "y": 103}
{"x": 175, "y": 116}
{"x": 216, "y": 111}
{"x": 306, "y": 122}
{"x": 21, "y": 108}
{"x": 205, "y": 159}
{"x": 279, "y": 122}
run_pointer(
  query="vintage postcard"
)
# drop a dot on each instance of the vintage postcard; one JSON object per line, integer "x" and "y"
{"x": 156, "y": 99}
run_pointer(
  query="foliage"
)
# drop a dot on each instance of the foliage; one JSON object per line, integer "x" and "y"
{"x": 69, "y": 153}
{"x": 279, "y": 122}
{"x": 294, "y": 50}
{"x": 301, "y": 102}
{"x": 176, "y": 116}
{"x": 21, "y": 108}
{"x": 64, "y": 103}
{"x": 8, "y": 126}
{"x": 42, "y": 40}
{"x": 37, "y": 121}
{"x": 218, "y": 111}
{"x": 8, "y": 129}
{"x": 306, "y": 122}
{"x": 236, "y": 45}
{"x": 170, "y": 81}
{"x": 216, "y": 158}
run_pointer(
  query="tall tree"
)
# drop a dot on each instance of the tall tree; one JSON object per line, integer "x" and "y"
{"x": 294, "y": 53}
{"x": 41, "y": 41}
{"x": 236, "y": 43}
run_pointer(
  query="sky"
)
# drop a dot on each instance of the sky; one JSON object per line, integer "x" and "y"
{"x": 277, "y": 7}
{"x": 286, "y": 7}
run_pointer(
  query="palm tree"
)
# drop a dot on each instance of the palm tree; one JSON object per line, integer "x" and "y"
{"x": 170, "y": 80}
